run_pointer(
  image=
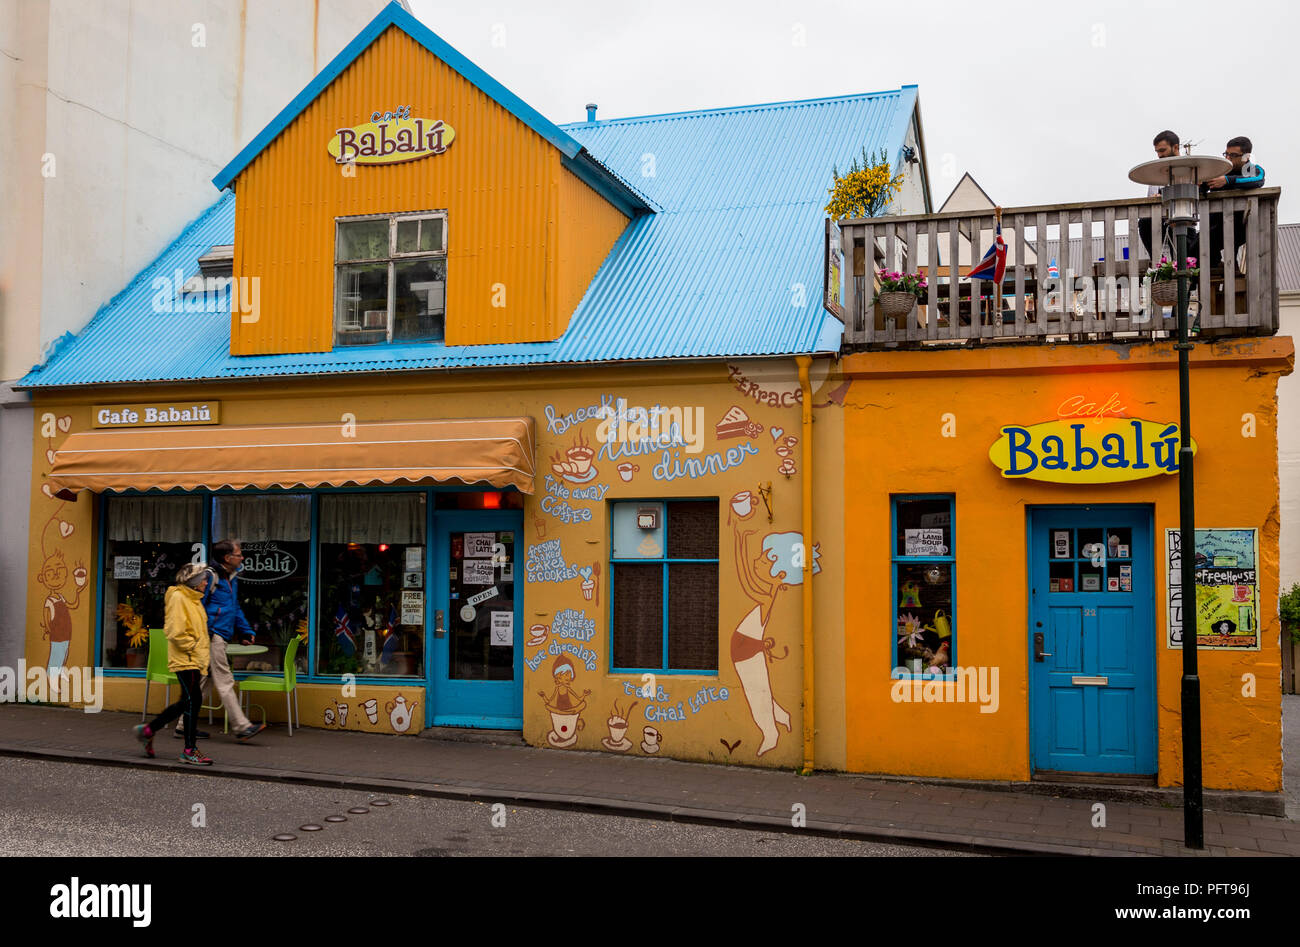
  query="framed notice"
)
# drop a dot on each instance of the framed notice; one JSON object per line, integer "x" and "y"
{"x": 503, "y": 629}
{"x": 412, "y": 608}
{"x": 1227, "y": 589}
{"x": 126, "y": 567}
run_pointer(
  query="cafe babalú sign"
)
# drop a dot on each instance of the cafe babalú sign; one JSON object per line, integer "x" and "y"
{"x": 1096, "y": 450}
{"x": 156, "y": 415}
{"x": 390, "y": 137}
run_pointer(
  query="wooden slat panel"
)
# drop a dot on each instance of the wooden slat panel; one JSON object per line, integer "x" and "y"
{"x": 851, "y": 329}
{"x": 909, "y": 265}
{"x": 869, "y": 283}
{"x": 1204, "y": 289}
{"x": 1230, "y": 316}
{"x": 1108, "y": 301}
{"x": 1254, "y": 278}
{"x": 1134, "y": 278}
{"x": 1087, "y": 263}
{"x": 954, "y": 281}
{"x": 1068, "y": 315}
{"x": 932, "y": 279}
{"x": 1041, "y": 315}
{"x": 1019, "y": 221}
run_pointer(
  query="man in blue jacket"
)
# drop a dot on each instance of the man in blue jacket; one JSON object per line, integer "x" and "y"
{"x": 226, "y": 621}
{"x": 1244, "y": 175}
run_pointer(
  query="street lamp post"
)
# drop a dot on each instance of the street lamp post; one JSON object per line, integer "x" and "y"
{"x": 1179, "y": 179}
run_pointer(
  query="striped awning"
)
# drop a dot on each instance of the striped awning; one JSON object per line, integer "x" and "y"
{"x": 494, "y": 451}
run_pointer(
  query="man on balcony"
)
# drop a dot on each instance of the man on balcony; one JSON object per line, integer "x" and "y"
{"x": 1244, "y": 175}
{"x": 1166, "y": 145}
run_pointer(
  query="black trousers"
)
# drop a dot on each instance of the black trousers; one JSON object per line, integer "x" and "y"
{"x": 187, "y": 708}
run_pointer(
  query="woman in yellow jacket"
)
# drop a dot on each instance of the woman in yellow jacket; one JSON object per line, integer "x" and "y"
{"x": 186, "y": 626}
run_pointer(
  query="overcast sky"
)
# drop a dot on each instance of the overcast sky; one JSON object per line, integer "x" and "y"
{"x": 1041, "y": 102}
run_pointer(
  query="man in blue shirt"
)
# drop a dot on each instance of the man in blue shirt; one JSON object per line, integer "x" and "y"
{"x": 226, "y": 621}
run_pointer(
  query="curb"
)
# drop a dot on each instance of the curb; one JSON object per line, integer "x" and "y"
{"x": 628, "y": 808}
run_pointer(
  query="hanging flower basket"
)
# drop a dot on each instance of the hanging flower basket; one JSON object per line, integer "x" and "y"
{"x": 896, "y": 305}
{"x": 1165, "y": 293}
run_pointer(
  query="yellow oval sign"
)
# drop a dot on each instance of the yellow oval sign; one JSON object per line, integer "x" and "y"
{"x": 403, "y": 139}
{"x": 1106, "y": 450}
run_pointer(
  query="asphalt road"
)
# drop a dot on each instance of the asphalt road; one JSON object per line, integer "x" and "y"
{"x": 54, "y": 808}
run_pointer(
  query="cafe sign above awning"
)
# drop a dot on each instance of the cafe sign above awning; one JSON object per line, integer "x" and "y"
{"x": 390, "y": 137}
{"x": 1095, "y": 450}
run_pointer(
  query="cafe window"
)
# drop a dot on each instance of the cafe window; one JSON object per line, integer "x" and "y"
{"x": 390, "y": 279}
{"x": 370, "y": 614}
{"x": 664, "y": 581}
{"x": 924, "y": 579}
{"x": 274, "y": 533}
{"x": 147, "y": 539}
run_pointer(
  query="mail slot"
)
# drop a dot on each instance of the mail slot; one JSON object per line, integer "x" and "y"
{"x": 1095, "y": 681}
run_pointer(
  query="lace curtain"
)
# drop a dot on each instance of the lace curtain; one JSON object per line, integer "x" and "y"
{"x": 370, "y": 518}
{"x": 155, "y": 519}
{"x": 257, "y": 519}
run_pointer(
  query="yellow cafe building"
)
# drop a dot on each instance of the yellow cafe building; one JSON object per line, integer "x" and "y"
{"x": 584, "y": 431}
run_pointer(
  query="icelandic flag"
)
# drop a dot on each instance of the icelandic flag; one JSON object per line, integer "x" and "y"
{"x": 994, "y": 264}
{"x": 343, "y": 631}
{"x": 1053, "y": 271}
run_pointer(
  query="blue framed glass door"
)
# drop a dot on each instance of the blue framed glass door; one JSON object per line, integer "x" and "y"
{"x": 476, "y": 661}
{"x": 1092, "y": 640}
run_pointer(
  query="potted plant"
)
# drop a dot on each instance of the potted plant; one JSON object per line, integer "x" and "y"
{"x": 137, "y": 636}
{"x": 866, "y": 190}
{"x": 899, "y": 292}
{"x": 1164, "y": 281}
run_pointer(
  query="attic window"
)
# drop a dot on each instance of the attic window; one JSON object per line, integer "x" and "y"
{"x": 390, "y": 278}
{"x": 218, "y": 261}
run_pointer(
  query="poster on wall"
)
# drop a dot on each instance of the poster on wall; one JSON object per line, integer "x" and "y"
{"x": 412, "y": 608}
{"x": 1227, "y": 589}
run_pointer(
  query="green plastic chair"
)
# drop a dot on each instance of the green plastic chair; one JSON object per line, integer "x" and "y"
{"x": 156, "y": 671}
{"x": 288, "y": 683}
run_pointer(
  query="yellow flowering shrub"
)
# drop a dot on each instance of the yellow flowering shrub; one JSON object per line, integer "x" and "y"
{"x": 865, "y": 190}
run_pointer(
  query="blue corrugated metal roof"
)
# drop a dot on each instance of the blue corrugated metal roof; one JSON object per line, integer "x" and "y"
{"x": 729, "y": 266}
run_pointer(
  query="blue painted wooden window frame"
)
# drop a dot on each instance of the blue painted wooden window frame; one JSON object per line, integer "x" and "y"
{"x": 895, "y": 560}
{"x": 664, "y": 562}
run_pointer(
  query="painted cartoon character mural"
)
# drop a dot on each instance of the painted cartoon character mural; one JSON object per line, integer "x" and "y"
{"x": 56, "y": 612}
{"x": 565, "y": 705}
{"x": 779, "y": 565}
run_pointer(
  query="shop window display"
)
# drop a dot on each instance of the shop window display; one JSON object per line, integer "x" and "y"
{"x": 924, "y": 568}
{"x": 147, "y": 539}
{"x": 274, "y": 532}
{"x": 664, "y": 573}
{"x": 372, "y": 574}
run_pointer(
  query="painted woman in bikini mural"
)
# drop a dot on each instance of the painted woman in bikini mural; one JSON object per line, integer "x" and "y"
{"x": 778, "y": 566}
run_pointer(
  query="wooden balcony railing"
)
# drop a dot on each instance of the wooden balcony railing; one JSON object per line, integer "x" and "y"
{"x": 1109, "y": 299}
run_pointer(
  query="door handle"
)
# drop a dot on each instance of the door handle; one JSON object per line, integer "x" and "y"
{"x": 1039, "y": 653}
{"x": 439, "y": 624}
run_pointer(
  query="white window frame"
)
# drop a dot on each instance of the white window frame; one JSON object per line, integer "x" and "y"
{"x": 391, "y": 259}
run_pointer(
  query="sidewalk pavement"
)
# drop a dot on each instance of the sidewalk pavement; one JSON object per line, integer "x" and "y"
{"x": 949, "y": 816}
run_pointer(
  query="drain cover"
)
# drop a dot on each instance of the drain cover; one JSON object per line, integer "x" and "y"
{"x": 358, "y": 810}
{"x": 310, "y": 827}
{"x": 283, "y": 837}
{"x": 336, "y": 818}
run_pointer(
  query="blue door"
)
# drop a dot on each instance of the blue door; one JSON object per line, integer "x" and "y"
{"x": 476, "y": 664}
{"x": 1092, "y": 640}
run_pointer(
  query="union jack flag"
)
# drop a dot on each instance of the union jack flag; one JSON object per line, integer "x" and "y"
{"x": 343, "y": 631}
{"x": 994, "y": 264}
